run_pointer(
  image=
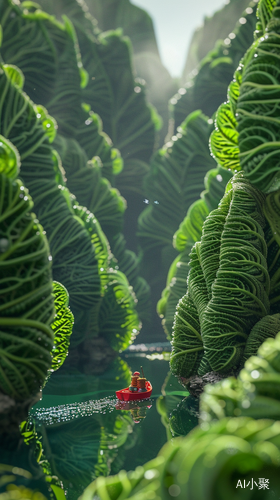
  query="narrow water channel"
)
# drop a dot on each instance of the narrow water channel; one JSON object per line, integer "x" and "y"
{"x": 85, "y": 432}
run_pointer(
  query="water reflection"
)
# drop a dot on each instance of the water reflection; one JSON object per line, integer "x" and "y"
{"x": 82, "y": 443}
{"x": 137, "y": 409}
{"x": 184, "y": 417}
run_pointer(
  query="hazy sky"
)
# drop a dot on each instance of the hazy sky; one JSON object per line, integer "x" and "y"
{"x": 174, "y": 23}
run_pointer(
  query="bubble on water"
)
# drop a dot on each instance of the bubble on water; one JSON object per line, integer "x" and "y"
{"x": 69, "y": 412}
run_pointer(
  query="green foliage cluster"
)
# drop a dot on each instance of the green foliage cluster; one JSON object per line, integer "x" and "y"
{"x": 17, "y": 483}
{"x": 88, "y": 180}
{"x": 216, "y": 27}
{"x": 26, "y": 301}
{"x": 165, "y": 190}
{"x": 112, "y": 92}
{"x": 233, "y": 284}
{"x": 207, "y": 86}
{"x": 203, "y": 465}
{"x": 255, "y": 392}
{"x": 228, "y": 286}
{"x": 248, "y": 122}
{"x": 189, "y": 232}
{"x": 173, "y": 184}
{"x": 82, "y": 259}
{"x": 138, "y": 26}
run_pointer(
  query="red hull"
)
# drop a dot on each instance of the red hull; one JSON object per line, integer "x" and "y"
{"x": 126, "y": 395}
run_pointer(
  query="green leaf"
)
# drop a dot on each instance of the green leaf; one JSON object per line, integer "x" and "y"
{"x": 94, "y": 143}
{"x": 271, "y": 211}
{"x": 138, "y": 26}
{"x": 15, "y": 74}
{"x": 128, "y": 263}
{"x": 187, "y": 346}
{"x": 62, "y": 325}
{"x": 224, "y": 139}
{"x": 26, "y": 307}
{"x": 35, "y": 57}
{"x": 99, "y": 241}
{"x": 239, "y": 276}
{"x": 184, "y": 417}
{"x": 112, "y": 91}
{"x": 257, "y": 115}
{"x": 9, "y": 158}
{"x": 118, "y": 321}
{"x": 135, "y": 22}
{"x": 265, "y": 12}
{"x": 48, "y": 122}
{"x": 267, "y": 327}
{"x": 190, "y": 231}
{"x": 49, "y": 59}
{"x": 175, "y": 289}
{"x": 58, "y": 492}
{"x": 228, "y": 280}
{"x": 85, "y": 179}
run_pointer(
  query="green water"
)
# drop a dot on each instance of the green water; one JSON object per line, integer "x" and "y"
{"x": 79, "y": 431}
{"x": 85, "y": 433}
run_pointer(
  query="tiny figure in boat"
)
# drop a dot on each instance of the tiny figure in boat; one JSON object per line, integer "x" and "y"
{"x": 138, "y": 384}
{"x": 133, "y": 385}
{"x": 141, "y": 384}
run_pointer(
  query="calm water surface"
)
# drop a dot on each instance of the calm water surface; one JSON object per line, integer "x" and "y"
{"x": 86, "y": 433}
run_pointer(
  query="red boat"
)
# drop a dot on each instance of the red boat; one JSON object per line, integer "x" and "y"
{"x": 127, "y": 395}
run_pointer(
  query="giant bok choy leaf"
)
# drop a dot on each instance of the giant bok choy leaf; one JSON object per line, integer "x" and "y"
{"x": 26, "y": 305}
{"x": 215, "y": 28}
{"x": 207, "y": 88}
{"x": 174, "y": 183}
{"x": 247, "y": 135}
{"x": 86, "y": 180}
{"x": 233, "y": 259}
{"x": 56, "y": 44}
{"x": 228, "y": 283}
{"x": 257, "y": 111}
{"x": 272, "y": 232}
{"x": 82, "y": 137}
{"x": 118, "y": 320}
{"x": 47, "y": 53}
{"x": 138, "y": 26}
{"x": 256, "y": 391}
{"x": 94, "y": 143}
{"x": 74, "y": 262}
{"x": 129, "y": 264}
{"x": 187, "y": 345}
{"x": 62, "y": 325}
{"x": 188, "y": 233}
{"x": 113, "y": 93}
